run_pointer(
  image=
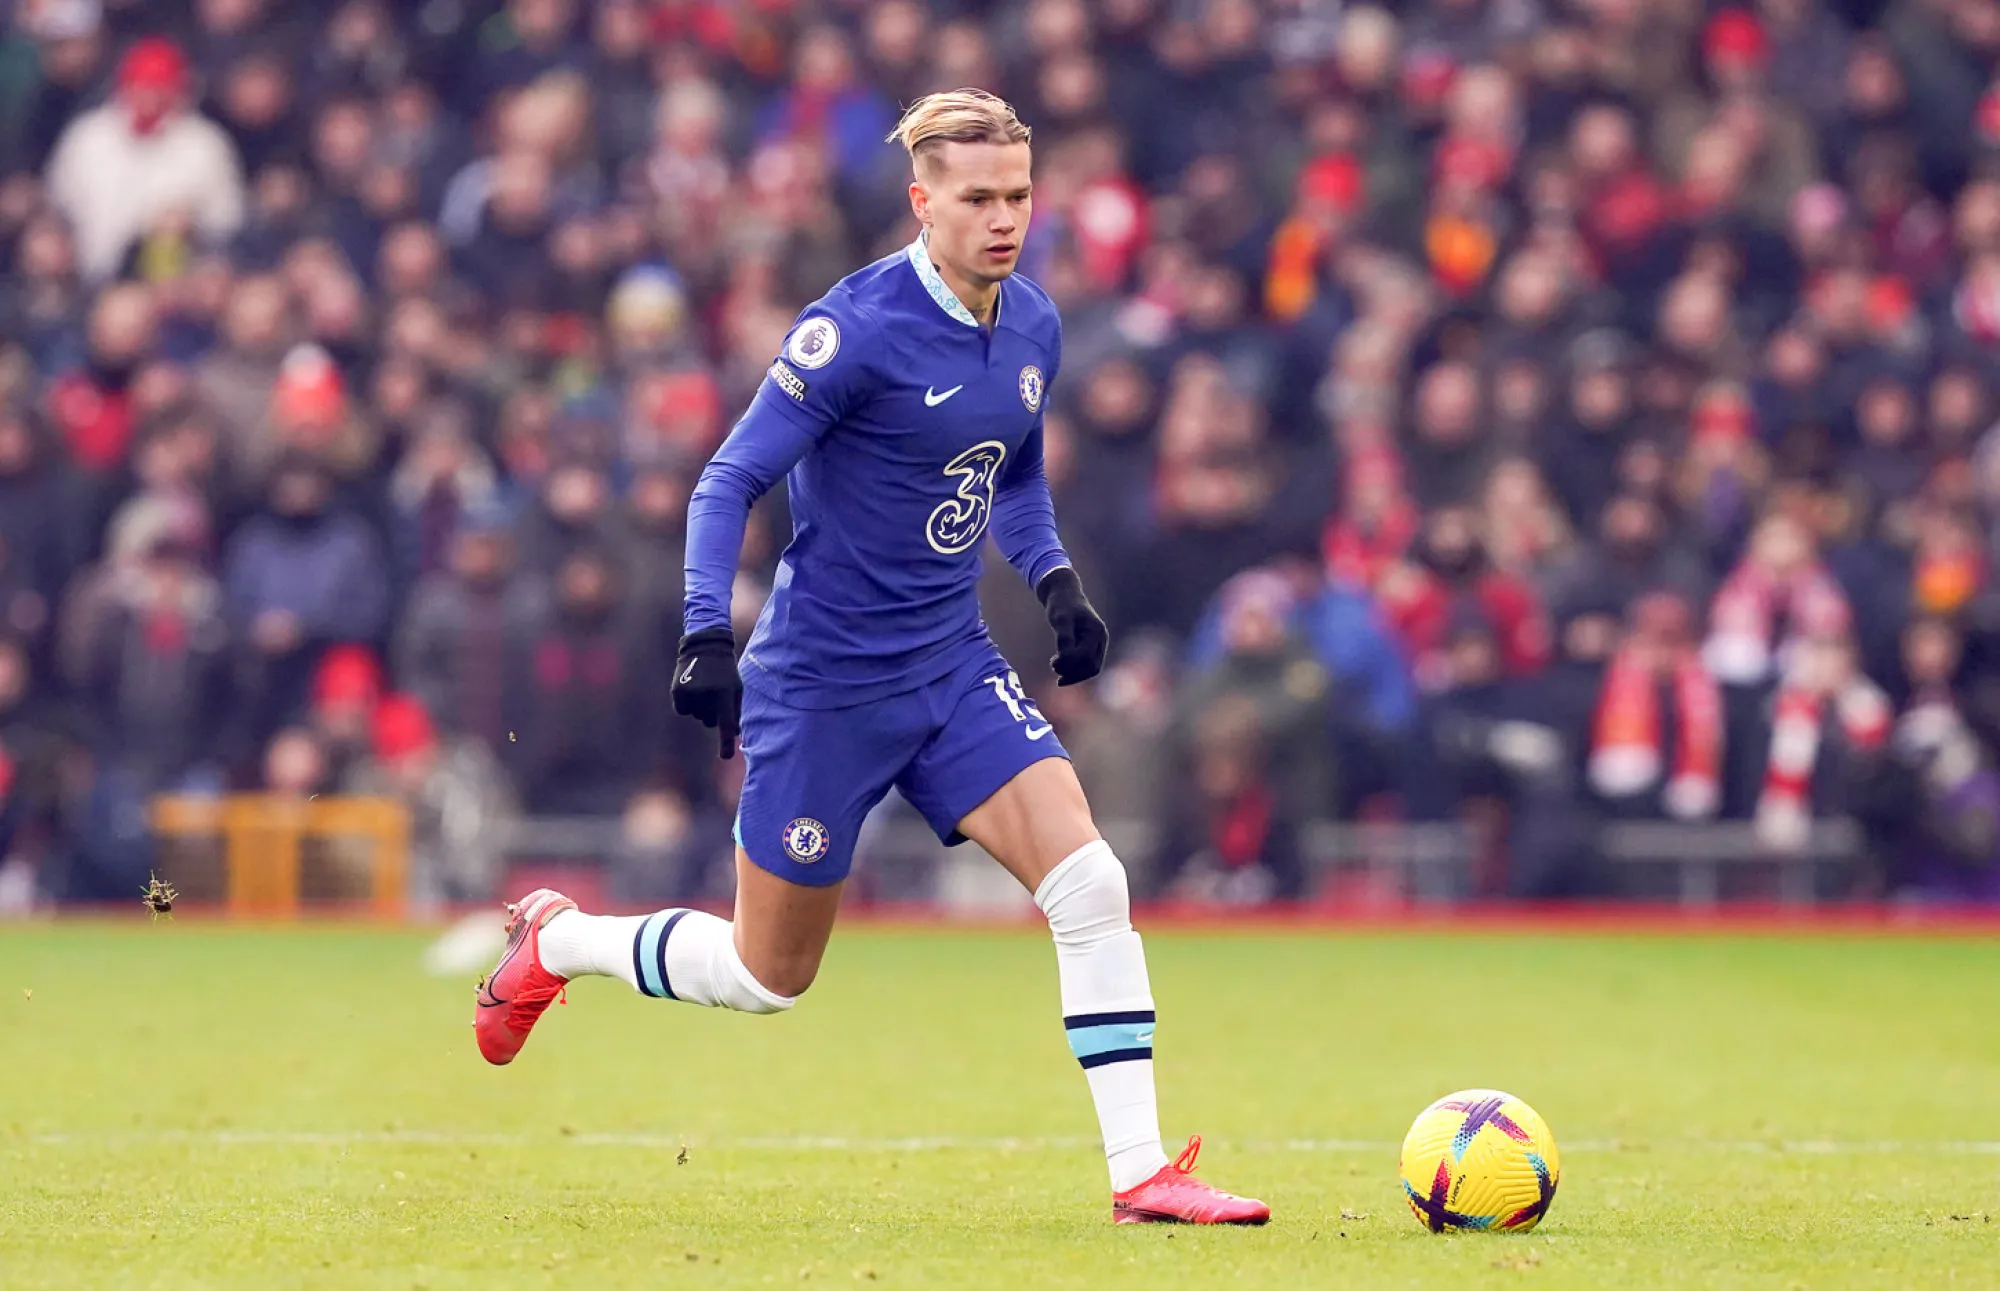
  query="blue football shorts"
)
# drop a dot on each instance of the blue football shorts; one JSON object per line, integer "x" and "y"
{"x": 813, "y": 774}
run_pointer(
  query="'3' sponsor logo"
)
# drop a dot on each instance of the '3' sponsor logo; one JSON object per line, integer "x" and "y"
{"x": 959, "y": 521}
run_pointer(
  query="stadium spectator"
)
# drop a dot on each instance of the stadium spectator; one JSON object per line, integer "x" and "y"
{"x": 1828, "y": 722}
{"x": 1633, "y": 554}
{"x": 299, "y": 577}
{"x": 828, "y": 103}
{"x": 585, "y": 694}
{"x": 1526, "y": 534}
{"x": 144, "y": 649}
{"x": 1777, "y": 597}
{"x": 1449, "y": 577}
{"x": 71, "y": 59}
{"x": 41, "y": 532}
{"x": 671, "y": 848}
{"x": 1489, "y": 756}
{"x": 45, "y": 302}
{"x": 346, "y": 689}
{"x": 532, "y": 38}
{"x": 450, "y": 647}
{"x": 1370, "y": 694}
{"x": 1221, "y": 502}
{"x": 1932, "y": 804}
{"x": 1263, "y": 668}
{"x": 145, "y": 167}
{"x": 461, "y": 807}
{"x": 312, "y": 419}
{"x": 573, "y": 512}
{"x": 294, "y": 765}
{"x": 1227, "y": 836}
{"x": 238, "y": 376}
{"x": 38, "y": 743}
{"x": 95, "y": 404}
{"x": 443, "y": 478}
{"x": 1656, "y": 740}
{"x": 1114, "y": 732}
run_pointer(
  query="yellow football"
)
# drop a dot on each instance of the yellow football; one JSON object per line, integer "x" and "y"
{"x": 1480, "y": 1160}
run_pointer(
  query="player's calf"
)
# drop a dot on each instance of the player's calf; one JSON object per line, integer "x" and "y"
{"x": 673, "y": 954}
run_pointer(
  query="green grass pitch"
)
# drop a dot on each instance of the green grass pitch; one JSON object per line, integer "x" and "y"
{"x": 188, "y": 1105}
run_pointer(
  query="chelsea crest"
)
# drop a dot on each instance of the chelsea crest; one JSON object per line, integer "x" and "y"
{"x": 805, "y": 840}
{"x": 1031, "y": 387}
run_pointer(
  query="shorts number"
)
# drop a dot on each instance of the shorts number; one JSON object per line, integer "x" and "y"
{"x": 957, "y": 522}
{"x": 1007, "y": 688}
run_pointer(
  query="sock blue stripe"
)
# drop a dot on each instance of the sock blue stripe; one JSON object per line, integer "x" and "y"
{"x": 639, "y": 959}
{"x": 646, "y": 948}
{"x": 666, "y": 986}
{"x": 1075, "y": 1020}
{"x": 1093, "y": 1041}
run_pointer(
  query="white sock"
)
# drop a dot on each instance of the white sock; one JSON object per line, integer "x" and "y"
{"x": 1107, "y": 1005}
{"x": 574, "y": 944}
{"x": 669, "y": 954}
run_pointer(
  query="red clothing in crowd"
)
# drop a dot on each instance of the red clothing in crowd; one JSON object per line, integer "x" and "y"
{"x": 1419, "y": 606}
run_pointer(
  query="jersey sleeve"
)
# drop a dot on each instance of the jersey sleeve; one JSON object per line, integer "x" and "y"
{"x": 818, "y": 378}
{"x": 1024, "y": 511}
{"x": 822, "y": 373}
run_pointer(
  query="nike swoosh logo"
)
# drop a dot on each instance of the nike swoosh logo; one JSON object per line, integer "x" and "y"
{"x": 484, "y": 996}
{"x": 687, "y": 674}
{"x": 932, "y": 398}
{"x": 1034, "y": 734}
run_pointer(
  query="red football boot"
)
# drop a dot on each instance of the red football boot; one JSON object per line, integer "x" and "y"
{"x": 1175, "y": 1196}
{"x": 515, "y": 993}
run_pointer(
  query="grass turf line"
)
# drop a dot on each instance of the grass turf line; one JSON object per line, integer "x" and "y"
{"x": 200, "y": 1106}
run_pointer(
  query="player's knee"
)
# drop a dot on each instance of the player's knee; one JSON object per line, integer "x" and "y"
{"x": 774, "y": 988}
{"x": 1087, "y": 898}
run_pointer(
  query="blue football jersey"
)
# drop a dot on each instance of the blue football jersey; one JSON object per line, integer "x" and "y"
{"x": 906, "y": 432}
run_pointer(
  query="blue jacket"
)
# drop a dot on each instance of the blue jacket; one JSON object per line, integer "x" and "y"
{"x": 1346, "y": 633}
{"x": 333, "y": 575}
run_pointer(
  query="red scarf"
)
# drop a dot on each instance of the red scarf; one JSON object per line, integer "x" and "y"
{"x": 1784, "y": 809}
{"x": 1741, "y": 649}
{"x": 1625, "y": 754}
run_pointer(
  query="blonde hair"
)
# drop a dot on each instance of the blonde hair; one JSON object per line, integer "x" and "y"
{"x": 957, "y": 116}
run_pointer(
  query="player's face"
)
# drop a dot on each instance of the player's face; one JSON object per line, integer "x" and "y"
{"x": 975, "y": 199}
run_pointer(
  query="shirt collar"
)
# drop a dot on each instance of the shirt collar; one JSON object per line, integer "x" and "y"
{"x": 933, "y": 281}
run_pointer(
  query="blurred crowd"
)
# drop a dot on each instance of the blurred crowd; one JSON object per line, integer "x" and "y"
{"x": 1534, "y": 413}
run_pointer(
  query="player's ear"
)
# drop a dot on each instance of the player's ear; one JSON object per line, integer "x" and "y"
{"x": 920, "y": 202}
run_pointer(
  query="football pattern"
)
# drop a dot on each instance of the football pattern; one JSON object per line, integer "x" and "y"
{"x": 1480, "y": 1160}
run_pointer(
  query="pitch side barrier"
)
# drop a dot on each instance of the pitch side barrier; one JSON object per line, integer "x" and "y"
{"x": 898, "y": 860}
{"x": 266, "y": 856}
{"x": 275, "y": 856}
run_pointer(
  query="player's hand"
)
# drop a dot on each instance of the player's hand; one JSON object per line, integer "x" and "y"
{"x": 707, "y": 686}
{"x": 1081, "y": 637}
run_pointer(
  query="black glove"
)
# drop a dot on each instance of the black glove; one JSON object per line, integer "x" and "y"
{"x": 1081, "y": 638}
{"x": 707, "y": 686}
